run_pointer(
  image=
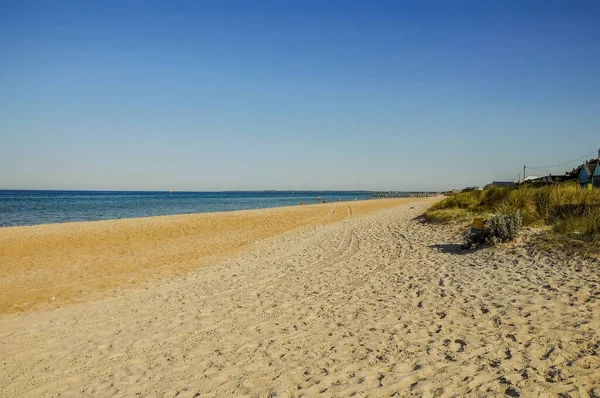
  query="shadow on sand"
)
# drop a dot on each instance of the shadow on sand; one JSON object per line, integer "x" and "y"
{"x": 451, "y": 248}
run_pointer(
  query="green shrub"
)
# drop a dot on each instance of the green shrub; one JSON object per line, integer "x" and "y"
{"x": 498, "y": 228}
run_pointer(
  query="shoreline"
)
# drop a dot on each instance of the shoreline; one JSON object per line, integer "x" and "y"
{"x": 87, "y": 212}
{"x": 81, "y": 261}
{"x": 259, "y": 209}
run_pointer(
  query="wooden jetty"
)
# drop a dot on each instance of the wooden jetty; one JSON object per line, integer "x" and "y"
{"x": 404, "y": 194}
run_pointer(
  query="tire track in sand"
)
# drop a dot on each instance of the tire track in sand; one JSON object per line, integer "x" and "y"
{"x": 344, "y": 251}
{"x": 350, "y": 245}
{"x": 398, "y": 253}
{"x": 264, "y": 281}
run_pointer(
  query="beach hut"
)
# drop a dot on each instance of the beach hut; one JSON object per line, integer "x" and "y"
{"x": 589, "y": 175}
{"x": 596, "y": 176}
{"x": 584, "y": 176}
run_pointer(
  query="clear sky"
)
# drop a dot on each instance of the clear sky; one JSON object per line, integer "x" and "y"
{"x": 218, "y": 95}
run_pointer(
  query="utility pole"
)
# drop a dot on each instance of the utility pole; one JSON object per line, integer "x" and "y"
{"x": 523, "y": 172}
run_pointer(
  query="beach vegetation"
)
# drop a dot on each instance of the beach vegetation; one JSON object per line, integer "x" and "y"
{"x": 570, "y": 214}
{"x": 498, "y": 228}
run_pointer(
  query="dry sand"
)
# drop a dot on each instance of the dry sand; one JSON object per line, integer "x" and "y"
{"x": 339, "y": 302}
{"x": 78, "y": 261}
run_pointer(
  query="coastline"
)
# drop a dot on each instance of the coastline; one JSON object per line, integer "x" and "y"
{"x": 79, "y": 261}
{"x": 28, "y": 208}
{"x": 376, "y": 304}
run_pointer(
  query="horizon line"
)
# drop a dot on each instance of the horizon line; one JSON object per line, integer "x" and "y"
{"x": 218, "y": 191}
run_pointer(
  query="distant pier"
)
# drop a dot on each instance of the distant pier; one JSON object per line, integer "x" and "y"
{"x": 403, "y": 194}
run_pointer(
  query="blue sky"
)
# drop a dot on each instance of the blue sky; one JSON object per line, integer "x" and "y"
{"x": 217, "y": 95}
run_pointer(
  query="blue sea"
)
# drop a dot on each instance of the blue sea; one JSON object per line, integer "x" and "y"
{"x": 45, "y": 207}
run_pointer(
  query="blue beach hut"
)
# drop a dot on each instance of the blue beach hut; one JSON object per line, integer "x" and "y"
{"x": 589, "y": 175}
{"x": 596, "y": 176}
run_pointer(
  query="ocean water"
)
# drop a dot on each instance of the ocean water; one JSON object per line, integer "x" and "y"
{"x": 44, "y": 207}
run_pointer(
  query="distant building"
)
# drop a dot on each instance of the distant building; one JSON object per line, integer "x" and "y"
{"x": 505, "y": 184}
{"x": 530, "y": 178}
{"x": 550, "y": 178}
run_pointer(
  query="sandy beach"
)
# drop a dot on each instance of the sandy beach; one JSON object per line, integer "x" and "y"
{"x": 340, "y": 299}
{"x": 75, "y": 262}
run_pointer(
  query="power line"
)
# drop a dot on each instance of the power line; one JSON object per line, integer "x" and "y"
{"x": 562, "y": 164}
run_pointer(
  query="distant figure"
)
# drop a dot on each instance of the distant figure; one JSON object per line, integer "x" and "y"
{"x": 301, "y": 203}
{"x": 318, "y": 198}
{"x": 324, "y": 200}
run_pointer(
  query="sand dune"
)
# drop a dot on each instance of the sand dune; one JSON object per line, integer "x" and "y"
{"x": 372, "y": 305}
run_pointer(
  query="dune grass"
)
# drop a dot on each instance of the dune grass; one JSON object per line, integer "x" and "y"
{"x": 572, "y": 213}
